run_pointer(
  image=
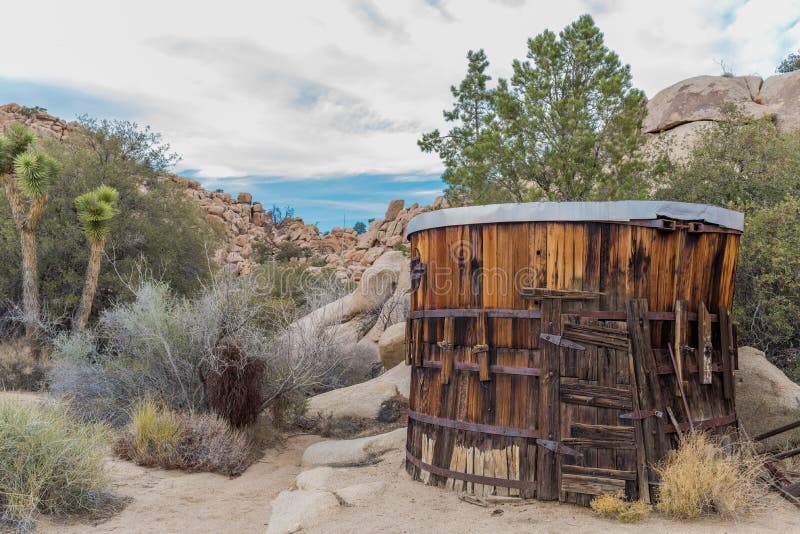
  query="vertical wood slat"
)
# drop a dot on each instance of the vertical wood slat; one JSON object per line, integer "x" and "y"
{"x": 483, "y": 346}
{"x": 648, "y": 388}
{"x": 447, "y": 350}
{"x": 704, "y": 346}
{"x": 727, "y": 350}
{"x": 680, "y": 344}
{"x": 548, "y": 463}
{"x": 417, "y": 342}
{"x": 409, "y": 347}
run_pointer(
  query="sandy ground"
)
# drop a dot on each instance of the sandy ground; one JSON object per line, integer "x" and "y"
{"x": 407, "y": 506}
{"x": 174, "y": 501}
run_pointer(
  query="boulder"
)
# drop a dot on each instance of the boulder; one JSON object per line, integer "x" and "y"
{"x": 766, "y": 398}
{"x": 781, "y": 94}
{"x": 393, "y": 311}
{"x": 678, "y": 141}
{"x": 293, "y": 511}
{"x": 699, "y": 99}
{"x": 378, "y": 282}
{"x": 394, "y": 208}
{"x": 359, "y": 451}
{"x": 400, "y": 377}
{"x": 362, "y": 401}
{"x": 244, "y": 198}
{"x": 392, "y": 345}
{"x": 318, "y": 478}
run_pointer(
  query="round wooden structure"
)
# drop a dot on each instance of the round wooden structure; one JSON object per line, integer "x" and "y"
{"x": 560, "y": 349}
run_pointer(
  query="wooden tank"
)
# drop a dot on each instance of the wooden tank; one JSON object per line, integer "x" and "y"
{"x": 559, "y": 350}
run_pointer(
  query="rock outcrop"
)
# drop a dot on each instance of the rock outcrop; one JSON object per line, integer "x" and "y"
{"x": 678, "y": 113}
{"x": 766, "y": 398}
{"x": 364, "y": 400}
{"x": 41, "y": 122}
{"x": 245, "y": 223}
{"x": 359, "y": 451}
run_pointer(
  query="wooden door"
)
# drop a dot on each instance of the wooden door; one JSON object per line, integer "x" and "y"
{"x": 594, "y": 391}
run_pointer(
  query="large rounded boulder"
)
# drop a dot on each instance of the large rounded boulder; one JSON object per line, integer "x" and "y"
{"x": 701, "y": 99}
{"x": 766, "y": 398}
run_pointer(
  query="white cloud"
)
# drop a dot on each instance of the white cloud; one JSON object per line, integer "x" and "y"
{"x": 315, "y": 89}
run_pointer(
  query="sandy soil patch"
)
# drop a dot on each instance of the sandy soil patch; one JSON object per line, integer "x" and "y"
{"x": 406, "y": 506}
{"x": 174, "y": 501}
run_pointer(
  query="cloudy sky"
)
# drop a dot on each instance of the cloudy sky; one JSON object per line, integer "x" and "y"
{"x": 318, "y": 104}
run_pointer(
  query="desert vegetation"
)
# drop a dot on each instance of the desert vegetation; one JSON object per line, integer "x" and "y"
{"x": 50, "y": 464}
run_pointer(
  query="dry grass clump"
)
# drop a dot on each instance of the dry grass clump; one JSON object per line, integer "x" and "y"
{"x": 701, "y": 478}
{"x": 614, "y": 506}
{"x": 19, "y": 370}
{"x": 50, "y": 464}
{"x": 159, "y": 437}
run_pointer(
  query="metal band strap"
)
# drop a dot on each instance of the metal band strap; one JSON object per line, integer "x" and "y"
{"x": 708, "y": 423}
{"x": 468, "y": 477}
{"x": 496, "y": 369}
{"x": 506, "y": 313}
{"x": 472, "y": 427}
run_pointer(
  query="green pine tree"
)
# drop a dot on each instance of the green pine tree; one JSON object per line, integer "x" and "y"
{"x": 566, "y": 126}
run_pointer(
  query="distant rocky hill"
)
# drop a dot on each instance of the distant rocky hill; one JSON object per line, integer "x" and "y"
{"x": 342, "y": 250}
{"x": 246, "y": 222}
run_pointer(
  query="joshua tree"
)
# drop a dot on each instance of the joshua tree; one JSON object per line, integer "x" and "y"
{"x": 95, "y": 211}
{"x": 26, "y": 174}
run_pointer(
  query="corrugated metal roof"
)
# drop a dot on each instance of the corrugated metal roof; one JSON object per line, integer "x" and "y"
{"x": 618, "y": 211}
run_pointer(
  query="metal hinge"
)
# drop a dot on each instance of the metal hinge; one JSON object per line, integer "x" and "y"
{"x": 642, "y": 414}
{"x": 559, "y": 341}
{"x": 559, "y": 448}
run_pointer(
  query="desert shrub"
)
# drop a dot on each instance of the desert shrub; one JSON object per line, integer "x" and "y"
{"x": 288, "y": 250}
{"x": 19, "y": 369}
{"x": 767, "y": 285}
{"x": 169, "y": 348}
{"x": 49, "y": 464}
{"x": 157, "y": 223}
{"x": 160, "y": 437}
{"x": 614, "y": 506}
{"x": 233, "y": 385}
{"x": 701, "y": 478}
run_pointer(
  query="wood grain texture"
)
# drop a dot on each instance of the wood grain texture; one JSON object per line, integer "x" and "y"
{"x": 685, "y": 280}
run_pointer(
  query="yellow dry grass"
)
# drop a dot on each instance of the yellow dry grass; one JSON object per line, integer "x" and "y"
{"x": 614, "y": 506}
{"x": 702, "y": 478}
{"x": 156, "y": 431}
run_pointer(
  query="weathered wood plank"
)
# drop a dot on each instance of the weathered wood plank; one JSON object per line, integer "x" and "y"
{"x": 680, "y": 342}
{"x": 602, "y": 432}
{"x": 591, "y": 485}
{"x": 482, "y": 347}
{"x": 727, "y": 350}
{"x": 598, "y": 472}
{"x": 447, "y": 345}
{"x": 548, "y": 463}
{"x": 705, "y": 349}
{"x": 564, "y": 294}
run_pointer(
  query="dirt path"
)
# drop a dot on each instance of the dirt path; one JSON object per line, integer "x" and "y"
{"x": 173, "y": 501}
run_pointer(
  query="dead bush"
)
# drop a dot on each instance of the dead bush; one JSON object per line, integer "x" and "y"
{"x": 19, "y": 369}
{"x": 159, "y": 437}
{"x": 233, "y": 387}
{"x": 614, "y": 506}
{"x": 702, "y": 478}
